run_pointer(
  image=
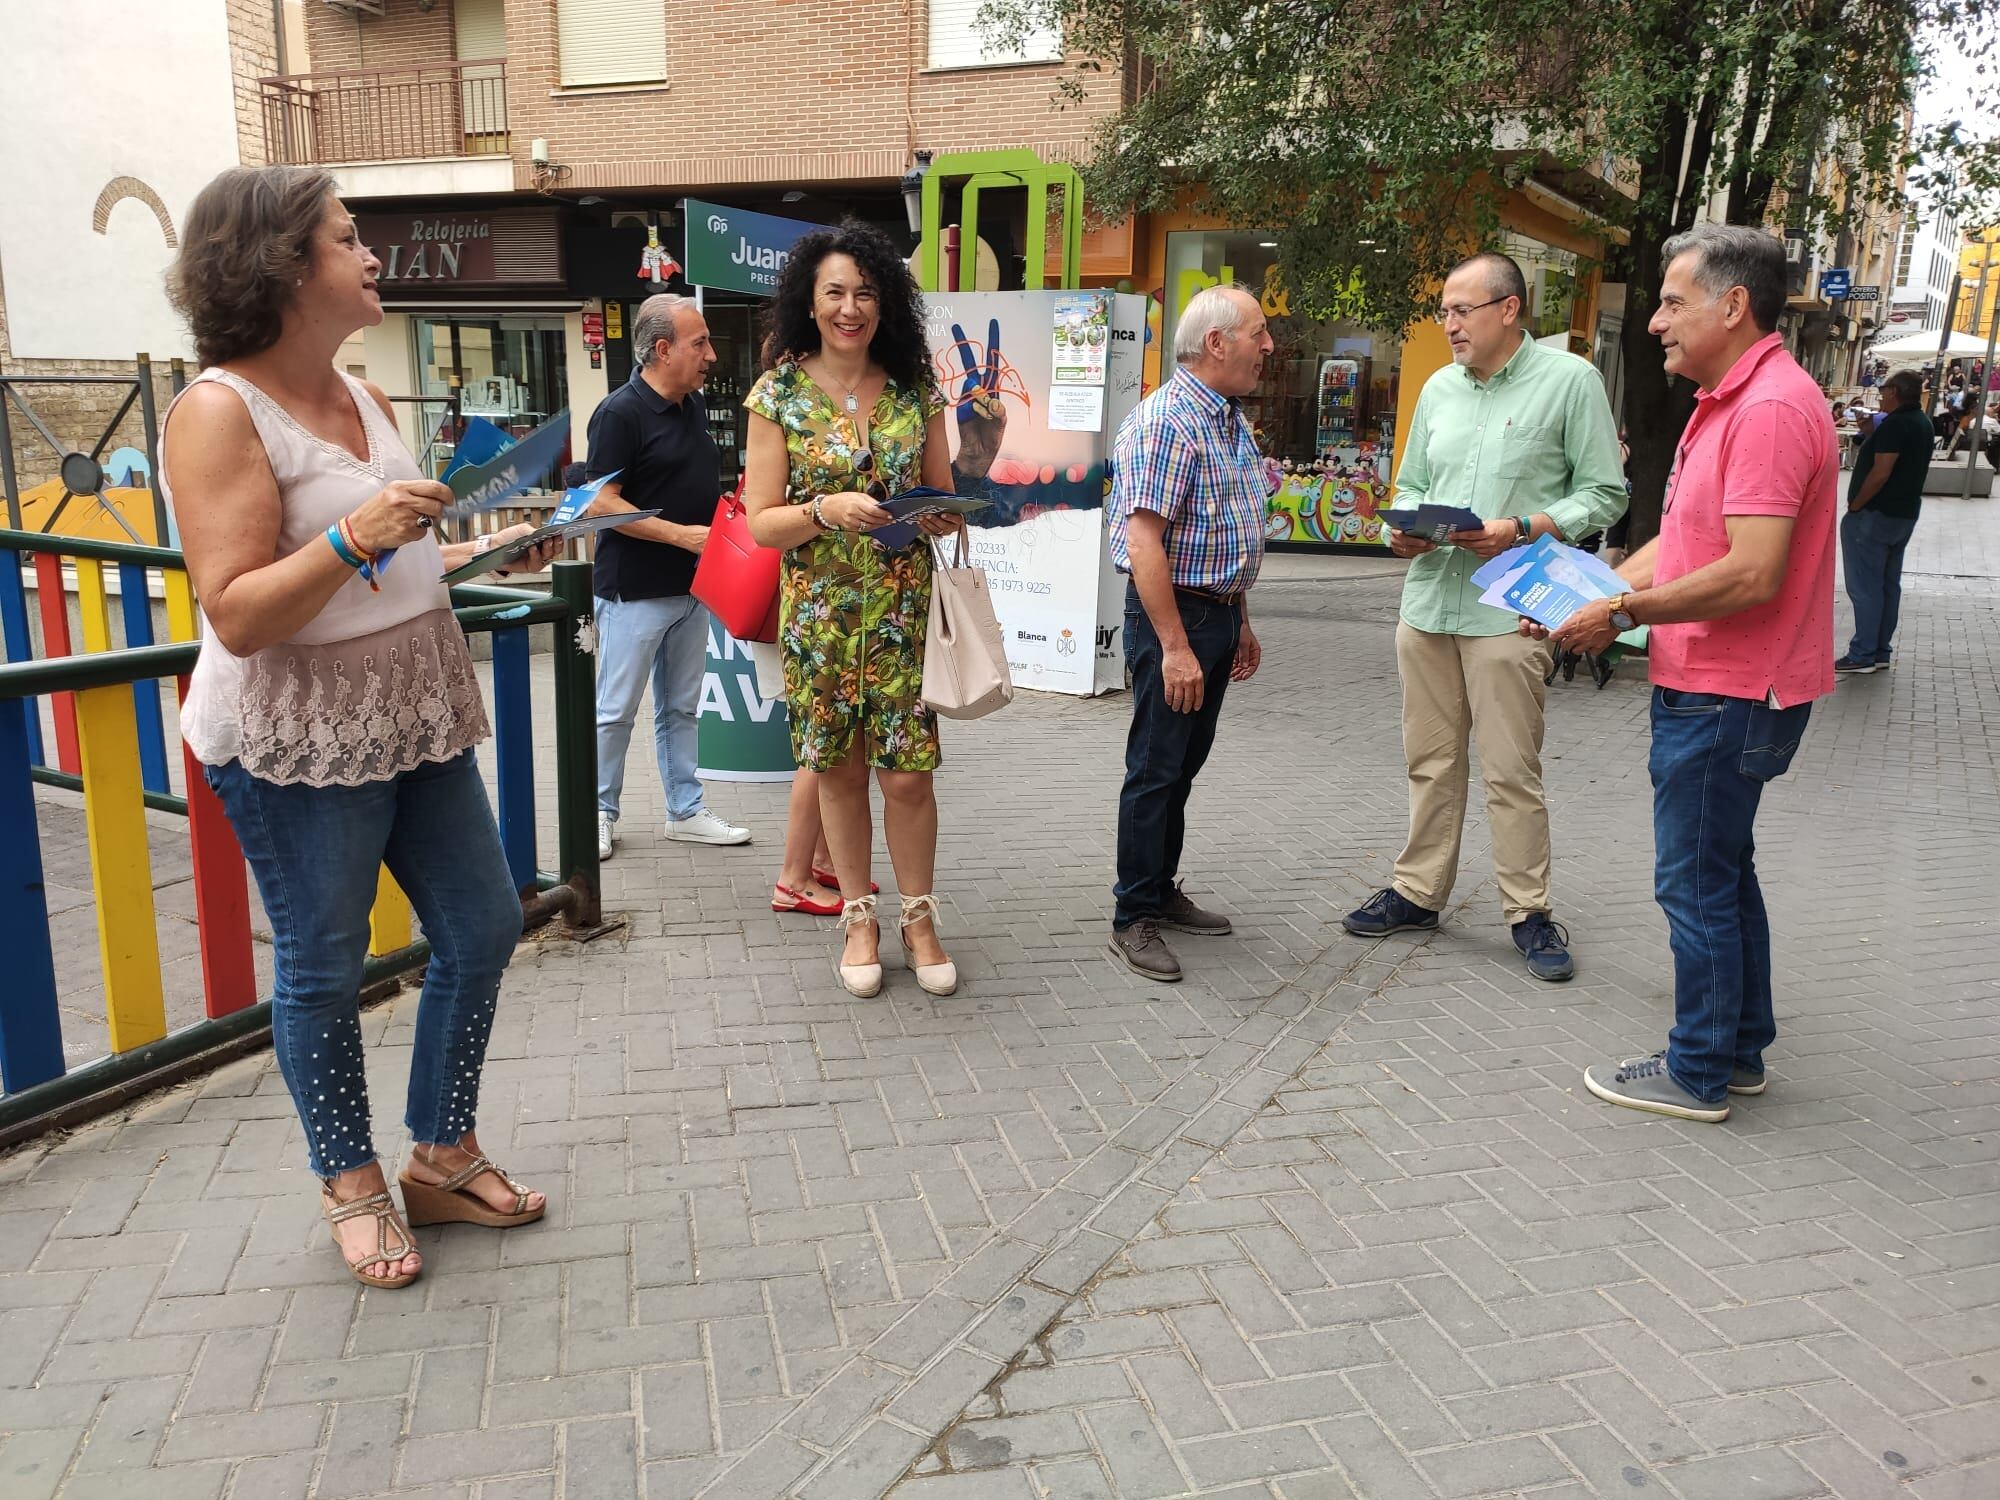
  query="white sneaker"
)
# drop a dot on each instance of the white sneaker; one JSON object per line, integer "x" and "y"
{"x": 607, "y": 834}
{"x": 706, "y": 828}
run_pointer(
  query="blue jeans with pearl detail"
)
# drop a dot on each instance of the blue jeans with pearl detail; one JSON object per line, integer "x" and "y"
{"x": 314, "y": 852}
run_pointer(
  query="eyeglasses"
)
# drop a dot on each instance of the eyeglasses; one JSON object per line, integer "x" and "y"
{"x": 1445, "y": 314}
{"x": 872, "y": 486}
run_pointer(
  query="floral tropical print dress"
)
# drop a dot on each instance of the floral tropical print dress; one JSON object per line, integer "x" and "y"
{"x": 852, "y": 614}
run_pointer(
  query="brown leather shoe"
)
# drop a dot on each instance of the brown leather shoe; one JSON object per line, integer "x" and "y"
{"x": 1182, "y": 915}
{"x": 1146, "y": 952}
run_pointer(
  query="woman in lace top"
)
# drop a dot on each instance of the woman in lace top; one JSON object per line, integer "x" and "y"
{"x": 333, "y": 705}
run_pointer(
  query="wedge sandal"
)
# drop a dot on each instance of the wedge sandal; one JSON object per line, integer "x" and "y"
{"x": 382, "y": 1208}
{"x": 448, "y": 1202}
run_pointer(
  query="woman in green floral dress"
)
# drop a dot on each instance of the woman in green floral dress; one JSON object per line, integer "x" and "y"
{"x": 848, "y": 414}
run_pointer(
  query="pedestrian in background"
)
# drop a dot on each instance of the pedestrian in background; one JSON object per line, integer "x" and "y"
{"x": 1738, "y": 591}
{"x": 291, "y": 487}
{"x": 653, "y": 434}
{"x": 1187, "y": 516}
{"x": 1522, "y": 435}
{"x": 848, "y": 414}
{"x": 1884, "y": 498}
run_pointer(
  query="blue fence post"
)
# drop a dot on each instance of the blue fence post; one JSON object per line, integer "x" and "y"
{"x": 514, "y": 752}
{"x": 137, "y": 608}
{"x": 19, "y": 645}
{"x": 30, "y": 1025}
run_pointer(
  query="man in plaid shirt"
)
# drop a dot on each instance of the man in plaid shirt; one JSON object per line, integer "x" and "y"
{"x": 1187, "y": 528}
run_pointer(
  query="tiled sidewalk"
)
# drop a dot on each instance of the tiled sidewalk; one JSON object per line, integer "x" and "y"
{"x": 1330, "y": 1218}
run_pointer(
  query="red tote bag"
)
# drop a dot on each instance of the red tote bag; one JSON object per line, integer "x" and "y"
{"x": 736, "y": 578}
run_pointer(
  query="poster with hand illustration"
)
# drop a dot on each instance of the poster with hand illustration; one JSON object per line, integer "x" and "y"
{"x": 1042, "y": 537}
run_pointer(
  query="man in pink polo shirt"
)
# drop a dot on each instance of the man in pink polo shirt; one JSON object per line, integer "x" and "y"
{"x": 1738, "y": 592}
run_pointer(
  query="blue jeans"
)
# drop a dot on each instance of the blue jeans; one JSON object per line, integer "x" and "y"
{"x": 666, "y": 641}
{"x": 1165, "y": 750}
{"x": 1871, "y": 555}
{"x": 1711, "y": 758}
{"x": 315, "y": 852}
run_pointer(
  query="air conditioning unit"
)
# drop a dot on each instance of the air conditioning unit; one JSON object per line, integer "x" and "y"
{"x": 358, "y": 7}
{"x": 1795, "y": 249}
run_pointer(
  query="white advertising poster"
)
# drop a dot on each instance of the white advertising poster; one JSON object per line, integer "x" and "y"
{"x": 1042, "y": 536}
{"x": 1044, "y": 576}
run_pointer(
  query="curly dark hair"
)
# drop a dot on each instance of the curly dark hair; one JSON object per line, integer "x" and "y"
{"x": 899, "y": 345}
{"x": 246, "y": 242}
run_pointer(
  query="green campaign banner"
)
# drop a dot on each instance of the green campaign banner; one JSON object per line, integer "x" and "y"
{"x": 743, "y": 737}
{"x": 737, "y": 250}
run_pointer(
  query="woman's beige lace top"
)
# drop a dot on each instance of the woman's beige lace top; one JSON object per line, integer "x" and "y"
{"x": 377, "y": 682}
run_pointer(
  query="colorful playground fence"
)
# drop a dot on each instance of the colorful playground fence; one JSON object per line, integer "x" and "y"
{"x": 109, "y": 743}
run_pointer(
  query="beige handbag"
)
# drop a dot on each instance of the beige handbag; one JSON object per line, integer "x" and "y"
{"x": 965, "y": 659}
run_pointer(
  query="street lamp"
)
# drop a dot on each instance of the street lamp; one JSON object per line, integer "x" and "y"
{"x": 913, "y": 192}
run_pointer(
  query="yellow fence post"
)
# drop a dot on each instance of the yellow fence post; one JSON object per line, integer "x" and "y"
{"x": 121, "y": 867}
{"x": 180, "y": 605}
{"x": 389, "y": 919}
{"x": 93, "y": 604}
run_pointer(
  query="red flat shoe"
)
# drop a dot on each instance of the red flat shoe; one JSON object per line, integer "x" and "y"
{"x": 801, "y": 902}
{"x": 832, "y": 882}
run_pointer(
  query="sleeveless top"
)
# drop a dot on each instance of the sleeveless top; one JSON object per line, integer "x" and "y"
{"x": 375, "y": 683}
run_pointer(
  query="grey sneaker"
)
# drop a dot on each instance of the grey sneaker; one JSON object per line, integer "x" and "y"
{"x": 1743, "y": 1081}
{"x": 1145, "y": 952}
{"x": 1644, "y": 1083}
{"x": 1183, "y": 915}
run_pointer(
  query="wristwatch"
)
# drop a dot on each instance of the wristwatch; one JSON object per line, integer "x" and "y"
{"x": 1621, "y": 617}
{"x": 1527, "y": 529}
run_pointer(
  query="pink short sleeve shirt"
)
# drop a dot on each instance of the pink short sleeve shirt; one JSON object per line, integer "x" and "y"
{"x": 1760, "y": 444}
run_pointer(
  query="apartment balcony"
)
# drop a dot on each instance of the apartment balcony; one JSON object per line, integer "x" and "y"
{"x": 422, "y": 128}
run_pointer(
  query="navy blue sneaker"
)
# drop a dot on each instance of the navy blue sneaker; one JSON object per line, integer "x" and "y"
{"x": 1855, "y": 666}
{"x": 1385, "y": 912}
{"x": 1546, "y": 945}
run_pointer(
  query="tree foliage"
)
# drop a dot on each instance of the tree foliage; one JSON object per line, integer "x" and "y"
{"x": 1378, "y": 136}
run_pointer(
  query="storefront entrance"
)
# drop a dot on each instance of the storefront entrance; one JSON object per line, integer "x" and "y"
{"x": 508, "y": 369}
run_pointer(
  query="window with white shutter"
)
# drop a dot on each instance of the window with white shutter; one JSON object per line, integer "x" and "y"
{"x": 956, "y": 41}
{"x": 480, "y": 28}
{"x": 612, "y": 41}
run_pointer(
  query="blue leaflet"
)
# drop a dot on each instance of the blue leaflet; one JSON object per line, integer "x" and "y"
{"x": 1433, "y": 522}
{"x": 1548, "y": 582}
{"x": 480, "y": 486}
{"x": 919, "y": 500}
{"x": 480, "y": 442}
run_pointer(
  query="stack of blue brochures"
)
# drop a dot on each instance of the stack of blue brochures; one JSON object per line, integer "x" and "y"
{"x": 1548, "y": 582}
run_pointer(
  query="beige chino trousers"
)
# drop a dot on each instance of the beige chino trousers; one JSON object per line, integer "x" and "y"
{"x": 1487, "y": 689}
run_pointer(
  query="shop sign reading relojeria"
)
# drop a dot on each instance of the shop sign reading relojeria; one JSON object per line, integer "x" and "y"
{"x": 508, "y": 247}
{"x": 735, "y": 250}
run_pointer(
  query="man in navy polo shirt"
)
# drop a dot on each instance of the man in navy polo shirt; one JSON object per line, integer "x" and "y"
{"x": 653, "y": 433}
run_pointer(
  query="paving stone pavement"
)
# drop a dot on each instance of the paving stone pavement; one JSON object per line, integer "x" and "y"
{"x": 1330, "y": 1218}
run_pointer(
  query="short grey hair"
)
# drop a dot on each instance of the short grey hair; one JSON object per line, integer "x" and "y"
{"x": 657, "y": 322}
{"x": 1210, "y": 310}
{"x": 1733, "y": 255}
{"x": 1908, "y": 387}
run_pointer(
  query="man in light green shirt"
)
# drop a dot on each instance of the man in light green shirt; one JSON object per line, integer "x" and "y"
{"x": 1524, "y": 437}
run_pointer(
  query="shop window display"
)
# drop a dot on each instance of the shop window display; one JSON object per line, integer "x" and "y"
{"x": 508, "y": 370}
{"x": 1325, "y": 412}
